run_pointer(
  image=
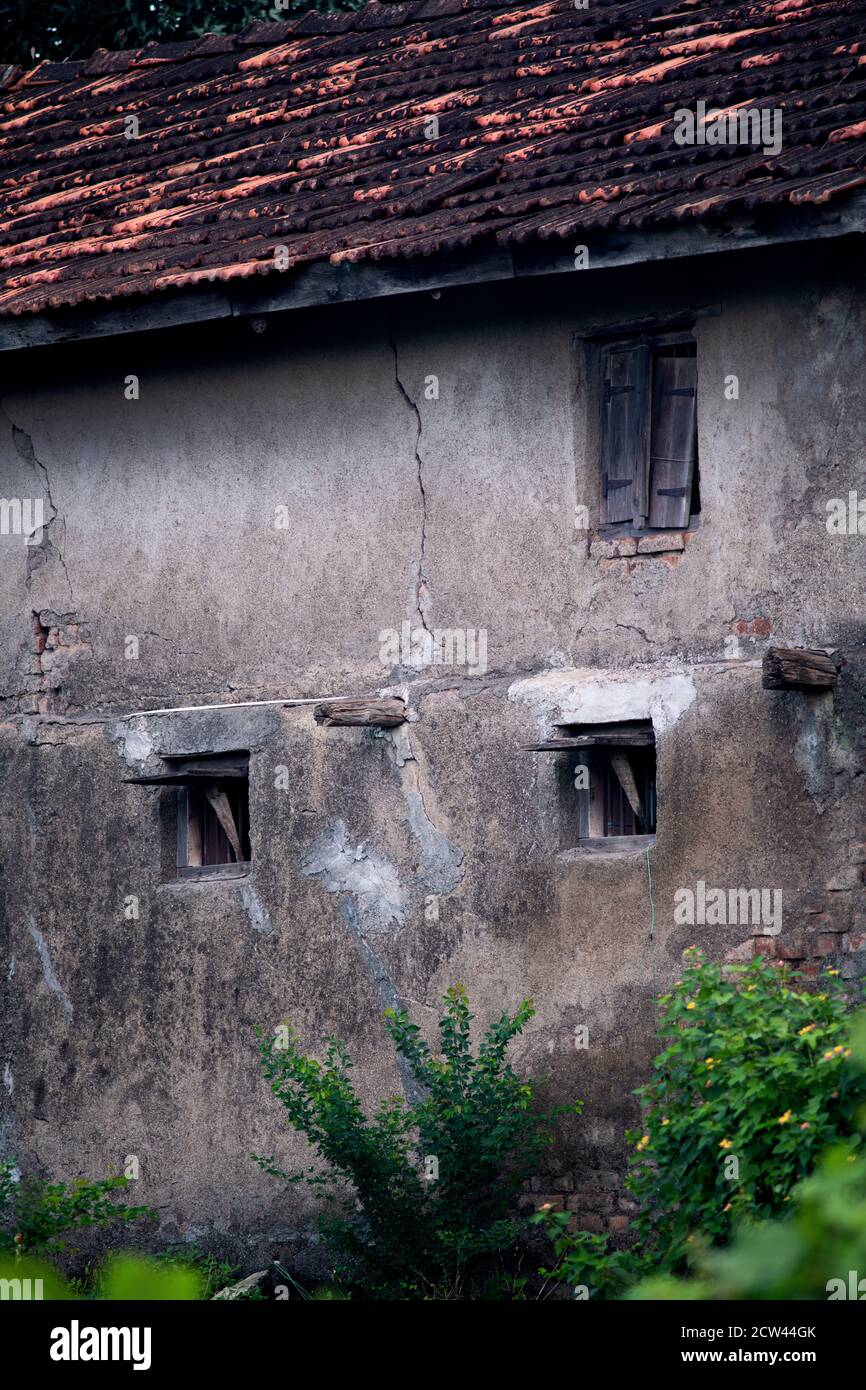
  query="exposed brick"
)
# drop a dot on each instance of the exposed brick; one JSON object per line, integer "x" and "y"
{"x": 563, "y": 1184}
{"x": 667, "y": 540}
{"x": 602, "y": 550}
{"x": 765, "y": 946}
{"x": 845, "y": 879}
{"x": 618, "y": 1223}
{"x": 857, "y": 852}
{"x": 744, "y": 952}
{"x": 620, "y": 567}
{"x": 591, "y": 1222}
{"x": 825, "y": 945}
{"x": 791, "y": 947}
{"x": 550, "y": 1199}
{"x": 813, "y": 902}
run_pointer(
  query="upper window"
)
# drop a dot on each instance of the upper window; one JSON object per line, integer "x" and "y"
{"x": 649, "y": 434}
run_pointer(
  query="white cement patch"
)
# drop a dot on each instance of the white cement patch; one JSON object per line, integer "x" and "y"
{"x": 588, "y": 696}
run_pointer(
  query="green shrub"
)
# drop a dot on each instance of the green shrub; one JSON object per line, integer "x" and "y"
{"x": 754, "y": 1070}
{"x": 817, "y": 1251}
{"x": 422, "y": 1194}
{"x": 35, "y": 1213}
{"x": 755, "y": 1082}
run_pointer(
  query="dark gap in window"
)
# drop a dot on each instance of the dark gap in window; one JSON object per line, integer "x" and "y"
{"x": 607, "y": 781}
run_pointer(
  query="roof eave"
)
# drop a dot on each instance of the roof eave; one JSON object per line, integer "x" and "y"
{"x": 323, "y": 283}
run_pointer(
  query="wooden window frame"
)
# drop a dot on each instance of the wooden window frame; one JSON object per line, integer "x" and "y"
{"x": 217, "y": 778}
{"x": 594, "y": 745}
{"x": 647, "y": 348}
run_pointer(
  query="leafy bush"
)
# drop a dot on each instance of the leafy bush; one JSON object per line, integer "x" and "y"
{"x": 755, "y": 1081}
{"x": 131, "y": 1278}
{"x": 754, "y": 1070}
{"x": 809, "y": 1254}
{"x": 122, "y": 1278}
{"x": 423, "y": 1194}
{"x": 35, "y": 1213}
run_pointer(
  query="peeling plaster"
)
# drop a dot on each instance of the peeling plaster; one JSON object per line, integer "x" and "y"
{"x": 440, "y": 858}
{"x": 369, "y": 878}
{"x": 47, "y": 968}
{"x": 135, "y": 740}
{"x": 824, "y": 766}
{"x": 370, "y": 900}
{"x": 586, "y": 697}
{"x": 257, "y": 914}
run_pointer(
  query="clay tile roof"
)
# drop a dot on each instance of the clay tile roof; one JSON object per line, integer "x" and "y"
{"x": 319, "y": 136}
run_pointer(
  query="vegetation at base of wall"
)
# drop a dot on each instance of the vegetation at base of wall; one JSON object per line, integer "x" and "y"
{"x": 36, "y": 1214}
{"x": 421, "y": 1195}
{"x": 757, "y": 1080}
{"x": 121, "y": 1278}
{"x": 817, "y": 1250}
{"x": 56, "y": 30}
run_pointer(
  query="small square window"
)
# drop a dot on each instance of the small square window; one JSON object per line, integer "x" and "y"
{"x": 607, "y": 784}
{"x": 649, "y": 453}
{"x": 212, "y": 812}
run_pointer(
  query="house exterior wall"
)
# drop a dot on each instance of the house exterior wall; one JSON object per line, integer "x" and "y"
{"x": 396, "y": 863}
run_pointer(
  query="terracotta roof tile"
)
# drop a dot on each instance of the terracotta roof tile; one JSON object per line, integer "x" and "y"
{"x": 314, "y": 134}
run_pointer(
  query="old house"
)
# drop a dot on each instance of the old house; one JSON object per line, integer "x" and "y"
{"x": 500, "y": 369}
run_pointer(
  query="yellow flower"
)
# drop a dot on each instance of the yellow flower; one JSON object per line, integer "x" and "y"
{"x": 665, "y": 1121}
{"x": 711, "y": 1062}
{"x": 692, "y": 1005}
{"x": 783, "y": 1119}
{"x": 726, "y": 1143}
{"x": 832, "y": 972}
{"x": 828, "y": 1056}
{"x": 823, "y": 997}
{"x": 642, "y": 1143}
{"x": 807, "y": 1029}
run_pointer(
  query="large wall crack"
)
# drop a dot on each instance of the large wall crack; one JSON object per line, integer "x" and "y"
{"x": 46, "y": 550}
{"x": 441, "y": 860}
{"x": 422, "y": 586}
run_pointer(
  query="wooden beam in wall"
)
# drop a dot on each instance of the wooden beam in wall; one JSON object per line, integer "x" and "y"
{"x": 798, "y": 668}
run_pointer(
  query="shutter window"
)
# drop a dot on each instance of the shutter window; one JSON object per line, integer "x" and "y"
{"x": 673, "y": 440}
{"x": 625, "y": 434}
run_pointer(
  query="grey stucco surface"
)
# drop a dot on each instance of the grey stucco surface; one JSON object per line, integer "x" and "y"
{"x": 386, "y": 866}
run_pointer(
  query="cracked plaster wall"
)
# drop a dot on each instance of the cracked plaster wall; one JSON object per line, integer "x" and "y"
{"x": 393, "y": 864}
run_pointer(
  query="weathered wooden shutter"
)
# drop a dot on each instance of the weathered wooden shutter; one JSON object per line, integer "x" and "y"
{"x": 674, "y": 439}
{"x": 625, "y": 434}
